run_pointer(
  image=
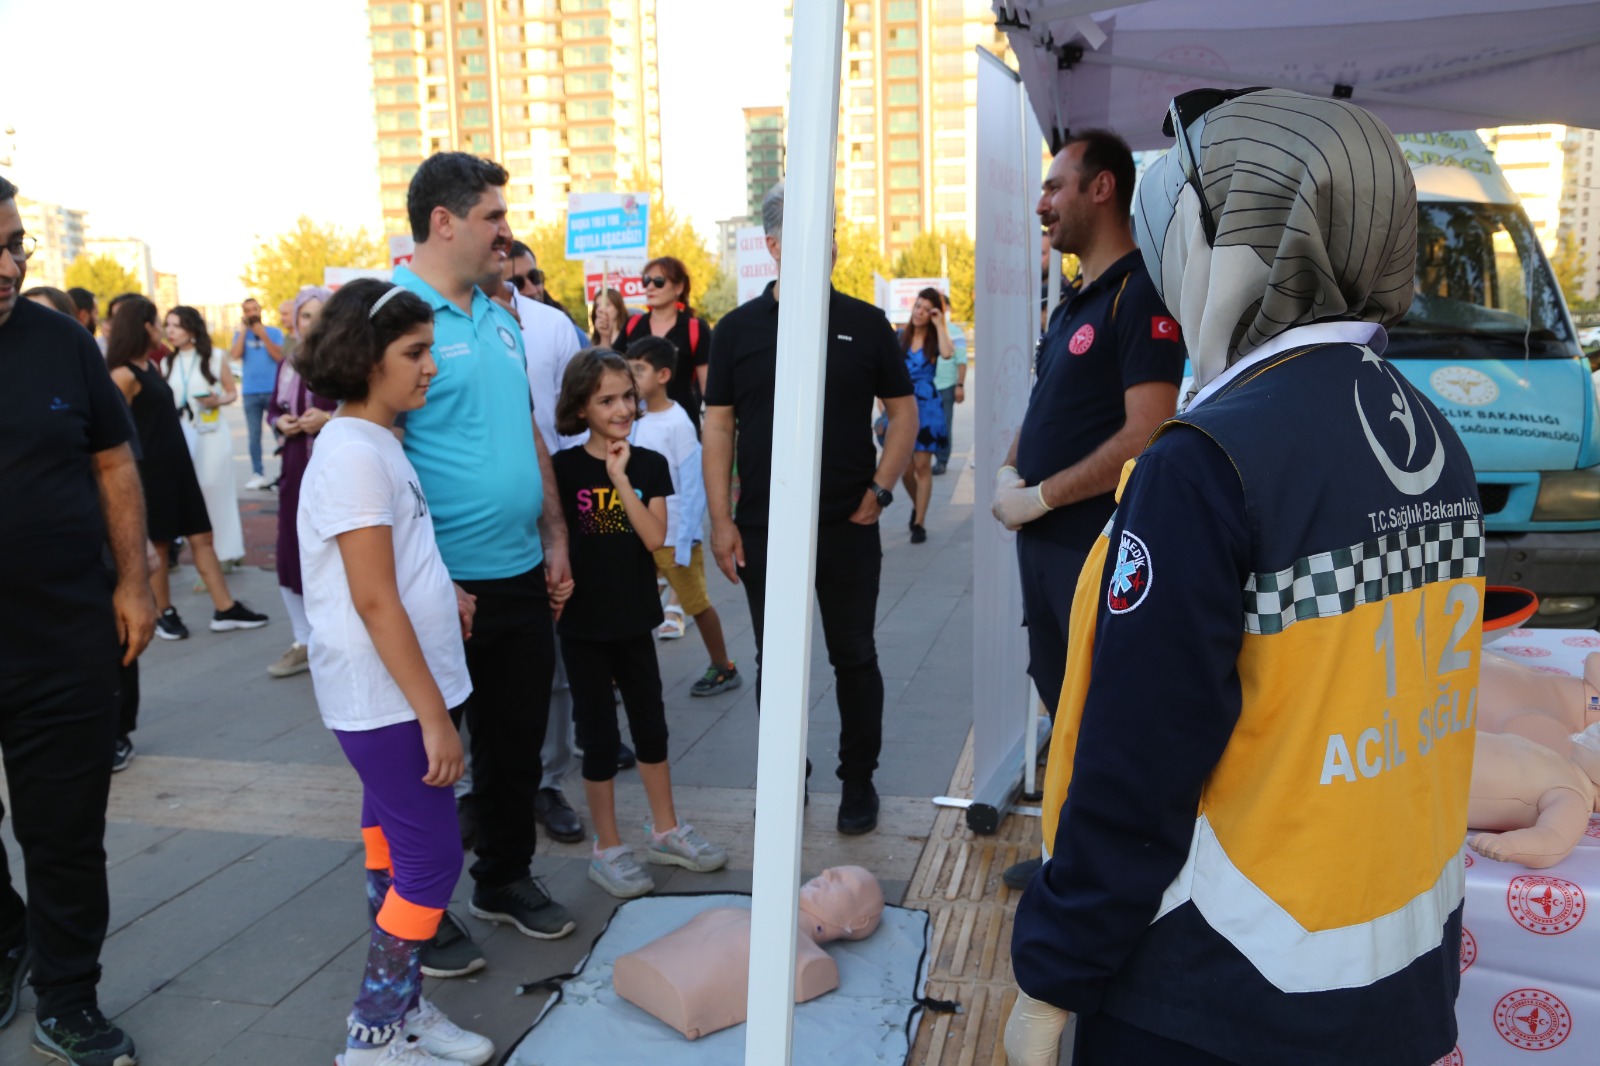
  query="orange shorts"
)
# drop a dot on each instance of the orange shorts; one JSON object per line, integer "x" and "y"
{"x": 689, "y": 582}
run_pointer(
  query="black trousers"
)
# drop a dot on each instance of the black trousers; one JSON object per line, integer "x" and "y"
{"x": 591, "y": 667}
{"x": 511, "y": 659}
{"x": 849, "y": 564}
{"x": 58, "y": 730}
{"x": 1049, "y": 574}
{"x": 127, "y": 695}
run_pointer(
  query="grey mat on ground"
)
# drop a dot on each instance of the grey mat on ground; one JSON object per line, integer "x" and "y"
{"x": 867, "y": 1019}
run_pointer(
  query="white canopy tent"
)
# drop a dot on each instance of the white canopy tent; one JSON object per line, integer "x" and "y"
{"x": 1419, "y": 65}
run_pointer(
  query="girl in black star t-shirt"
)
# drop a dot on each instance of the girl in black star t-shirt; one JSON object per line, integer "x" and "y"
{"x": 614, "y": 499}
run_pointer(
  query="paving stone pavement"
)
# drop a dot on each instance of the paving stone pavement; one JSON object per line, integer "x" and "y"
{"x": 238, "y": 917}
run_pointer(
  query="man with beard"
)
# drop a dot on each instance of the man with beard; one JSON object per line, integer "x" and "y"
{"x": 1106, "y": 376}
{"x": 484, "y": 470}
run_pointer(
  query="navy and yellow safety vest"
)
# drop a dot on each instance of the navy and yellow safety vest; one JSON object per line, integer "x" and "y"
{"x": 1258, "y": 781}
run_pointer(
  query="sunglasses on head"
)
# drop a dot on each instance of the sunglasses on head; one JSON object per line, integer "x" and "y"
{"x": 1184, "y": 111}
{"x": 654, "y": 281}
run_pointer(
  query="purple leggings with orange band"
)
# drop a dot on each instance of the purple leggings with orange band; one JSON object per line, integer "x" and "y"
{"x": 413, "y": 848}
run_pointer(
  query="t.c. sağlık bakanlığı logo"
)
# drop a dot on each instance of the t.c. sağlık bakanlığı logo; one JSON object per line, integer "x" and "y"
{"x": 1545, "y": 905}
{"x": 1452, "y": 1059}
{"x": 1469, "y": 949}
{"x": 1532, "y": 1019}
{"x": 1131, "y": 576}
{"x": 1082, "y": 340}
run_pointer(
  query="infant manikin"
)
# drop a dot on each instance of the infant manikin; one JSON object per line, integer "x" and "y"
{"x": 1545, "y": 708}
{"x": 696, "y": 978}
{"x": 1534, "y": 801}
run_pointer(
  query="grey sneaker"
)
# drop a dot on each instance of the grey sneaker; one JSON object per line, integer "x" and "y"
{"x": 84, "y": 1038}
{"x": 685, "y": 847}
{"x": 619, "y": 873}
{"x": 452, "y": 951}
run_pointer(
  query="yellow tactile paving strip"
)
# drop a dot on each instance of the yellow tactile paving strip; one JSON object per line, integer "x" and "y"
{"x": 958, "y": 883}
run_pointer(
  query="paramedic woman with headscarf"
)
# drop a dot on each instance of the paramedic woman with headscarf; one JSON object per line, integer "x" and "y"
{"x": 1258, "y": 858}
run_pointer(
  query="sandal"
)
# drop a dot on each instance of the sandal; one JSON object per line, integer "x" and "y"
{"x": 673, "y": 626}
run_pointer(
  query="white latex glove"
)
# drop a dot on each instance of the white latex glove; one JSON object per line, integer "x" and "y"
{"x": 1007, "y": 477}
{"x": 1033, "y": 1032}
{"x": 1018, "y": 505}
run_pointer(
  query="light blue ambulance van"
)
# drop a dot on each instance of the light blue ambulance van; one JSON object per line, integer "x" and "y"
{"x": 1490, "y": 341}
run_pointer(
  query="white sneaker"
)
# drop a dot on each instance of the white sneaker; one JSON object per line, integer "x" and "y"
{"x": 257, "y": 482}
{"x": 404, "y": 1050}
{"x": 443, "y": 1038}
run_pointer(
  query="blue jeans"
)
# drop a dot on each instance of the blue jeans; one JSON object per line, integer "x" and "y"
{"x": 255, "y": 410}
{"x": 947, "y": 397}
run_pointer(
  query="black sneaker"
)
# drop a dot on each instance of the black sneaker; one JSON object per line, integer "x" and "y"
{"x": 717, "y": 679}
{"x": 124, "y": 755}
{"x": 467, "y": 821}
{"x": 858, "y": 808}
{"x": 550, "y": 806}
{"x": 451, "y": 952}
{"x": 626, "y": 759}
{"x": 84, "y": 1038}
{"x": 1018, "y": 875}
{"x": 14, "y": 967}
{"x": 526, "y": 905}
{"x": 236, "y": 617}
{"x": 170, "y": 627}
{"x": 918, "y": 534}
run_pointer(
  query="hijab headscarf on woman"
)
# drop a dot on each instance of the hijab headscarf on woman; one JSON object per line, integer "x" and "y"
{"x": 1273, "y": 163}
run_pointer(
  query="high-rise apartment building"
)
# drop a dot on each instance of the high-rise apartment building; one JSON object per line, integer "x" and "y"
{"x": 60, "y": 232}
{"x": 764, "y": 138}
{"x": 563, "y": 93}
{"x": 1532, "y": 159}
{"x": 908, "y": 115}
{"x": 1580, "y": 205}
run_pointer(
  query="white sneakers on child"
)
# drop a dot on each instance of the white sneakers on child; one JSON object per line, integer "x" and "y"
{"x": 684, "y": 846}
{"x": 619, "y": 873}
{"x": 428, "y": 1039}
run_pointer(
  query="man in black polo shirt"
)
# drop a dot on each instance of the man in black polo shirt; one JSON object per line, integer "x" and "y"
{"x": 864, "y": 362}
{"x": 1106, "y": 376}
{"x": 70, "y": 488}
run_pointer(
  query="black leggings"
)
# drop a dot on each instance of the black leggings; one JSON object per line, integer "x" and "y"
{"x": 591, "y": 667}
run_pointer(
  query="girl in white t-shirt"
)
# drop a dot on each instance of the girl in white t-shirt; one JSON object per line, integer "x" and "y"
{"x": 387, "y": 660}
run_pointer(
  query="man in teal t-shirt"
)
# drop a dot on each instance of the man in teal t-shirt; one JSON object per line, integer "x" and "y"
{"x": 484, "y": 470}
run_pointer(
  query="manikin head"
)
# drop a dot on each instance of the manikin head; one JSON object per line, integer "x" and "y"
{"x": 840, "y": 903}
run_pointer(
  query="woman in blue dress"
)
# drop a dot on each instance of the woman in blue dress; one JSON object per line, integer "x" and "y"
{"x": 925, "y": 339}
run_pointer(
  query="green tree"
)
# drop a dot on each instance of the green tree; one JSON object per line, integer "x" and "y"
{"x": 1567, "y": 265}
{"x": 103, "y": 276}
{"x": 946, "y": 254}
{"x": 721, "y": 296}
{"x": 283, "y": 266}
{"x": 859, "y": 258}
{"x": 563, "y": 278}
{"x": 674, "y": 236}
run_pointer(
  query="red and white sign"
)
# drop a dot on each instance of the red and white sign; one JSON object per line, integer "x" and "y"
{"x": 903, "y": 296}
{"x": 754, "y": 263}
{"x": 624, "y": 277}
{"x": 1532, "y": 1019}
{"x": 401, "y": 249}
{"x": 1469, "y": 949}
{"x": 1548, "y": 906}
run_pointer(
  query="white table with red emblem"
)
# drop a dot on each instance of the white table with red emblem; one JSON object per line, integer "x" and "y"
{"x": 1530, "y": 949}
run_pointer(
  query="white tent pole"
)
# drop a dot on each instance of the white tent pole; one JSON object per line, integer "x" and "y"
{"x": 804, "y": 269}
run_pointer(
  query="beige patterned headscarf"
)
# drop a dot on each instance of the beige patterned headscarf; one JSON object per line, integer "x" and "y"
{"x": 1316, "y": 220}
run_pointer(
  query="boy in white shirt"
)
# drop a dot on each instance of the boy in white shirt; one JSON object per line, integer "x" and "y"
{"x": 666, "y": 428}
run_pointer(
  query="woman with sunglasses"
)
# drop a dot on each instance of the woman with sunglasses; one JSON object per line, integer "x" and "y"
{"x": 666, "y": 294}
{"x": 609, "y": 315}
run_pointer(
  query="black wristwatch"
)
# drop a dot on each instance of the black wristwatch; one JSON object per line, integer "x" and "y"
{"x": 885, "y": 497}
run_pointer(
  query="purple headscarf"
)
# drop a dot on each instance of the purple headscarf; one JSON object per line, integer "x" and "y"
{"x": 288, "y": 387}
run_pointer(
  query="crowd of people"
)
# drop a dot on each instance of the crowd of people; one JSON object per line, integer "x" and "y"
{"x": 523, "y": 598}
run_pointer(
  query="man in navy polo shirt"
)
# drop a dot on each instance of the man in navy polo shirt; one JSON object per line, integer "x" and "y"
{"x": 1105, "y": 377}
{"x": 484, "y": 468}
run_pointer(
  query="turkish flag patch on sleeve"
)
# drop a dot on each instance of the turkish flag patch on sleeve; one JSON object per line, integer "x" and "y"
{"x": 1164, "y": 328}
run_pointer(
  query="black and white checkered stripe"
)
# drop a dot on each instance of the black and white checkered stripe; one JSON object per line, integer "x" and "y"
{"x": 1332, "y": 583}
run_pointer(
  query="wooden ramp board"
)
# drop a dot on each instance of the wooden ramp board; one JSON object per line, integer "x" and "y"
{"x": 957, "y": 881}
